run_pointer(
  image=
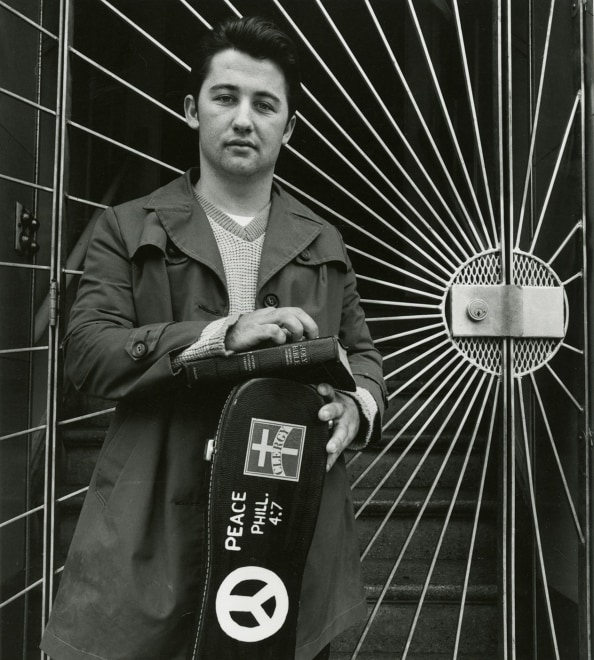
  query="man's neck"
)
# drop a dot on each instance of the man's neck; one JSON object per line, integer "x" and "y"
{"x": 237, "y": 198}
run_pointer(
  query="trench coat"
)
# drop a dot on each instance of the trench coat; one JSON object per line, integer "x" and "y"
{"x": 153, "y": 280}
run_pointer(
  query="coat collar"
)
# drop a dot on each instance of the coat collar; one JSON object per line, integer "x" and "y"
{"x": 291, "y": 227}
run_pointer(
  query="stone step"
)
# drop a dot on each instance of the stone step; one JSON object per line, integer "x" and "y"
{"x": 398, "y": 466}
{"x": 396, "y": 528}
{"x": 446, "y": 583}
{"x": 434, "y": 635}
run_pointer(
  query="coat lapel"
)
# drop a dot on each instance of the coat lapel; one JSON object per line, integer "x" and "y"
{"x": 186, "y": 223}
{"x": 291, "y": 228}
{"x": 289, "y": 232}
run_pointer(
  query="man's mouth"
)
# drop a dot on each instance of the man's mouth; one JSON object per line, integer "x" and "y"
{"x": 241, "y": 143}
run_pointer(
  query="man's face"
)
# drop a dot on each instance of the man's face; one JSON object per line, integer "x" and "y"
{"x": 242, "y": 116}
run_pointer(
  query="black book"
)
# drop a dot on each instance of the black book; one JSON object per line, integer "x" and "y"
{"x": 314, "y": 361}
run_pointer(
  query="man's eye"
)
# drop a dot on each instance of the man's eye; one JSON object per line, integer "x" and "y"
{"x": 262, "y": 106}
{"x": 225, "y": 99}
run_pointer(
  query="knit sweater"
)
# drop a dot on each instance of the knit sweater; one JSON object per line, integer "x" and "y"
{"x": 241, "y": 251}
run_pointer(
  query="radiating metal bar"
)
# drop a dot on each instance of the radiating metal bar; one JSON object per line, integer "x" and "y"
{"x": 443, "y": 281}
{"x": 410, "y": 347}
{"x": 410, "y": 381}
{"x": 6, "y": 523}
{"x": 545, "y": 420}
{"x": 535, "y": 121}
{"x": 12, "y": 264}
{"x": 479, "y": 503}
{"x": 399, "y": 287}
{"x": 342, "y": 218}
{"x": 411, "y": 317}
{"x": 555, "y": 172}
{"x": 475, "y": 124}
{"x": 123, "y": 146}
{"x": 366, "y": 122}
{"x": 230, "y": 5}
{"x": 462, "y": 162}
{"x": 145, "y": 34}
{"x": 411, "y": 97}
{"x": 29, "y": 349}
{"x": 448, "y": 376}
{"x": 403, "y": 455}
{"x": 577, "y": 276}
{"x": 458, "y": 486}
{"x": 191, "y": 9}
{"x": 128, "y": 85}
{"x": 26, "y": 101}
{"x": 413, "y": 528}
{"x": 576, "y": 227}
{"x": 383, "y": 197}
{"x": 372, "y": 88}
{"x": 18, "y": 434}
{"x": 29, "y": 184}
{"x": 400, "y": 335}
{"x": 82, "y": 200}
{"x": 64, "y": 498}
{"x": 401, "y": 196}
{"x": 573, "y": 348}
{"x": 21, "y": 593}
{"x": 82, "y": 418}
{"x": 396, "y": 303}
{"x": 532, "y": 494}
{"x": 24, "y": 18}
{"x": 70, "y": 271}
{"x": 410, "y": 363}
{"x": 375, "y": 215}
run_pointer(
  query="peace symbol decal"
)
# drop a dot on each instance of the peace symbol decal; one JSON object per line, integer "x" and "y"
{"x": 268, "y": 604}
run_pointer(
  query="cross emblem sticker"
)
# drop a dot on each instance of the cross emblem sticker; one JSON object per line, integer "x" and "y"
{"x": 274, "y": 450}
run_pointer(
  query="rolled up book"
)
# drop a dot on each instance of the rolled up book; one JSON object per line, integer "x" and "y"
{"x": 313, "y": 361}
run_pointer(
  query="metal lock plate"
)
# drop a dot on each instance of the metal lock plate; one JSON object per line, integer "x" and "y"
{"x": 506, "y": 311}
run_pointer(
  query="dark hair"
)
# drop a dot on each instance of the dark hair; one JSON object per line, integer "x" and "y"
{"x": 257, "y": 37}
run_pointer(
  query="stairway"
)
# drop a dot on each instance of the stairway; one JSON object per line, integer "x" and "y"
{"x": 434, "y": 635}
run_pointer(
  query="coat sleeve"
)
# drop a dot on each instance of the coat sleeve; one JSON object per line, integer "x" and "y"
{"x": 108, "y": 353}
{"x": 364, "y": 358}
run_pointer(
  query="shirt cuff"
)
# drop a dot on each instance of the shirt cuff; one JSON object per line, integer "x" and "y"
{"x": 210, "y": 343}
{"x": 368, "y": 415}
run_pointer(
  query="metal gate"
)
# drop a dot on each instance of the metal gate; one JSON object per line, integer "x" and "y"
{"x": 447, "y": 140}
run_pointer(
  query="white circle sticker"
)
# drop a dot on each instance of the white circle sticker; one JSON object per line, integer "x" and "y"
{"x": 228, "y": 603}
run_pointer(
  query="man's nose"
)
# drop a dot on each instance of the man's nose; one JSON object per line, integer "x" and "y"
{"x": 242, "y": 121}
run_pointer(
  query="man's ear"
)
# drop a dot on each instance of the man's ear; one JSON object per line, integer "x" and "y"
{"x": 289, "y": 128}
{"x": 191, "y": 112}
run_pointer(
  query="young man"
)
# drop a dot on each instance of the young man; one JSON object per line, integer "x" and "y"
{"x": 215, "y": 262}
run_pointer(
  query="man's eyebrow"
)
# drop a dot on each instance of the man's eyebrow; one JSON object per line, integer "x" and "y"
{"x": 229, "y": 87}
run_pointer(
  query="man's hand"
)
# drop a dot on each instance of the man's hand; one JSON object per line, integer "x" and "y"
{"x": 275, "y": 324}
{"x": 343, "y": 412}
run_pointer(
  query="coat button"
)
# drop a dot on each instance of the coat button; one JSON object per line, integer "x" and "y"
{"x": 271, "y": 300}
{"x": 305, "y": 255}
{"x": 172, "y": 250}
{"x": 139, "y": 349}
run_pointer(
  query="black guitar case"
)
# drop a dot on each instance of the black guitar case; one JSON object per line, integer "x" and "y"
{"x": 268, "y": 467}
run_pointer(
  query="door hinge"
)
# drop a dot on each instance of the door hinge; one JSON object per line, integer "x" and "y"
{"x": 53, "y": 303}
